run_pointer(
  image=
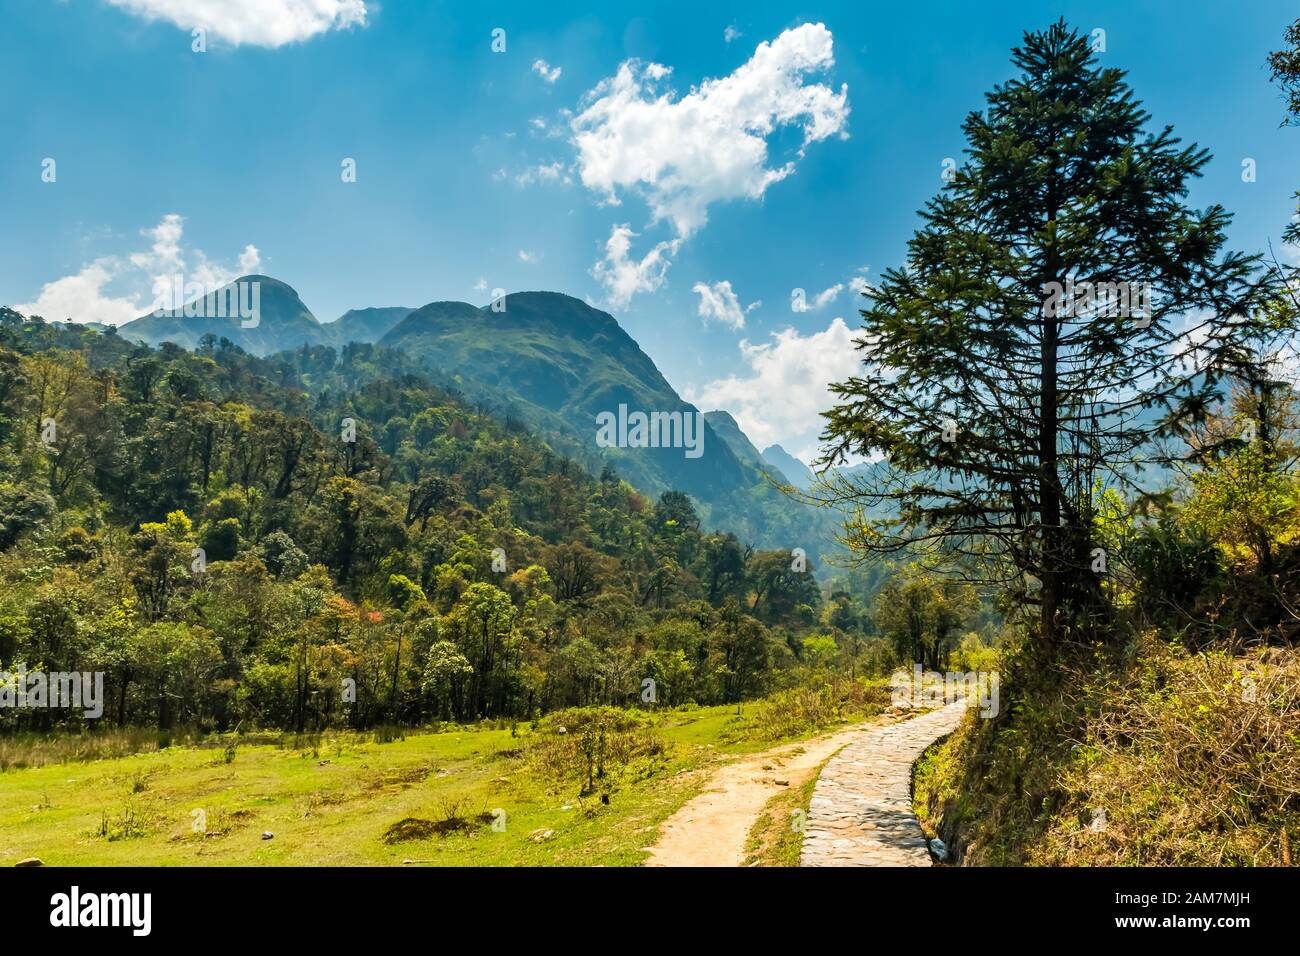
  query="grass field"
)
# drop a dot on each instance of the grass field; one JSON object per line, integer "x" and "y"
{"x": 465, "y": 796}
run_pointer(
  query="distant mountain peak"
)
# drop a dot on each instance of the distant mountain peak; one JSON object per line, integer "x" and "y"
{"x": 283, "y": 321}
{"x": 798, "y": 473}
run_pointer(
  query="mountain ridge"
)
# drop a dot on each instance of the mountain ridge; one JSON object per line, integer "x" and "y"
{"x": 558, "y": 364}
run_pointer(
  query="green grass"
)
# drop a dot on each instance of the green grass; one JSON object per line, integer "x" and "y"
{"x": 331, "y": 800}
{"x": 774, "y": 840}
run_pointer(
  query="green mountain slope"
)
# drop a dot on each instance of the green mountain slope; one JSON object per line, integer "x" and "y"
{"x": 729, "y": 430}
{"x": 282, "y": 321}
{"x": 557, "y": 363}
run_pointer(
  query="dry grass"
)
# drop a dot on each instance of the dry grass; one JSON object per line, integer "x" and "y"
{"x": 1195, "y": 759}
{"x": 600, "y": 747}
{"x": 804, "y": 710}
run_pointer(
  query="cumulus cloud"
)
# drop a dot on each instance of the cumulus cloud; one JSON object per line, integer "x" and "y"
{"x": 731, "y": 33}
{"x": 623, "y": 276}
{"x": 718, "y": 301}
{"x": 82, "y": 297}
{"x": 139, "y": 278}
{"x": 529, "y": 257}
{"x": 711, "y": 145}
{"x": 268, "y": 23}
{"x": 165, "y": 253}
{"x": 633, "y": 135}
{"x": 780, "y": 397}
{"x": 547, "y": 72}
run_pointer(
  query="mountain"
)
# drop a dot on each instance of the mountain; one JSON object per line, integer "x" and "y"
{"x": 557, "y": 363}
{"x": 366, "y": 325}
{"x": 566, "y": 370}
{"x": 795, "y": 471}
{"x": 282, "y": 320}
{"x": 728, "y": 429}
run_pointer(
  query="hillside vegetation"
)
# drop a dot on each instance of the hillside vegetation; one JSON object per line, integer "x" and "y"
{"x": 323, "y": 539}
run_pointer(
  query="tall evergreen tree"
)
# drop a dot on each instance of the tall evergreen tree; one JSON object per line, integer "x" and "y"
{"x": 1059, "y": 310}
{"x": 1284, "y": 65}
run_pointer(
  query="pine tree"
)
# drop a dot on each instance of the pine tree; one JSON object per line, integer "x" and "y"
{"x": 1059, "y": 310}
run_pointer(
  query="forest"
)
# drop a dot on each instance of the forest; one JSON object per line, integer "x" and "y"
{"x": 230, "y": 539}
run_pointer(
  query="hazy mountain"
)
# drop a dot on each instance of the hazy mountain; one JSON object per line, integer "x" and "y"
{"x": 728, "y": 430}
{"x": 559, "y": 363}
{"x": 795, "y": 471}
{"x": 283, "y": 321}
{"x": 366, "y": 325}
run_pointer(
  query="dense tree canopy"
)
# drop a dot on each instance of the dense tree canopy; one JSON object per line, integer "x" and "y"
{"x": 238, "y": 539}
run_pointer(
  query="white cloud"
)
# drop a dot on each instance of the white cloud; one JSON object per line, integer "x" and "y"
{"x": 543, "y": 173}
{"x": 682, "y": 155}
{"x": 250, "y": 260}
{"x": 81, "y": 297}
{"x": 142, "y": 275}
{"x": 546, "y": 71}
{"x": 165, "y": 253}
{"x": 269, "y": 23}
{"x": 720, "y": 303}
{"x": 827, "y": 296}
{"x": 821, "y": 299}
{"x": 785, "y": 390}
{"x": 548, "y": 129}
{"x": 623, "y": 276}
{"x": 529, "y": 257}
{"x": 480, "y": 285}
{"x": 731, "y": 33}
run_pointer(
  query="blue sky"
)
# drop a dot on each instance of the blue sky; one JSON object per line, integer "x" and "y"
{"x": 580, "y": 173}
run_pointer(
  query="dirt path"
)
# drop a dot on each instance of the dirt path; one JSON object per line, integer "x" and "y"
{"x": 710, "y": 829}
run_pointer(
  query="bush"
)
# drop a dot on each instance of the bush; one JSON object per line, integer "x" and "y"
{"x": 595, "y": 746}
{"x": 1156, "y": 756}
{"x": 1175, "y": 569}
{"x": 1194, "y": 762}
{"x": 804, "y": 710}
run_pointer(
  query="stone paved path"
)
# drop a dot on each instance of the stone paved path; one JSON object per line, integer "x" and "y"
{"x": 711, "y": 828}
{"x": 861, "y": 810}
